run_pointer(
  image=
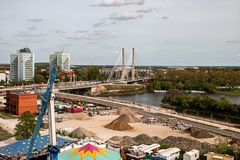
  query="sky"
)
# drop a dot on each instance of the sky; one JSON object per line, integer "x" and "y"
{"x": 163, "y": 32}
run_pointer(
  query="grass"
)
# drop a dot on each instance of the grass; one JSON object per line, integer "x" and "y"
{"x": 4, "y": 134}
{"x": 123, "y": 90}
{"x": 230, "y": 92}
{"x": 5, "y": 115}
{"x": 122, "y": 87}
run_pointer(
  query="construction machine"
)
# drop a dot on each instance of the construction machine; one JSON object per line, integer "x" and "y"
{"x": 47, "y": 102}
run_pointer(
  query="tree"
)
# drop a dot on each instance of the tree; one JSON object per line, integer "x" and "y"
{"x": 223, "y": 147}
{"x": 25, "y": 127}
{"x": 39, "y": 79}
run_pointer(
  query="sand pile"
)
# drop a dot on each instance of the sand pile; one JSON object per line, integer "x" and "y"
{"x": 121, "y": 123}
{"x": 129, "y": 118}
{"x": 82, "y": 133}
{"x": 118, "y": 125}
{"x": 125, "y": 110}
{"x": 79, "y": 116}
{"x": 143, "y": 139}
{"x": 199, "y": 133}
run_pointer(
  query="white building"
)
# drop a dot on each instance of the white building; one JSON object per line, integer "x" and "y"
{"x": 169, "y": 154}
{"x": 61, "y": 60}
{"x": 22, "y": 65}
{"x": 2, "y": 77}
{"x": 191, "y": 155}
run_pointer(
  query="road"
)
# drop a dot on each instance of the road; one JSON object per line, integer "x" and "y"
{"x": 209, "y": 126}
{"x": 199, "y": 125}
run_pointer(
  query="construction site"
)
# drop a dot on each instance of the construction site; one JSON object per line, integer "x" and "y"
{"x": 71, "y": 126}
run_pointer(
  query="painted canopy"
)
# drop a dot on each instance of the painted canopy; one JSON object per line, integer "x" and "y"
{"x": 21, "y": 147}
{"x": 89, "y": 152}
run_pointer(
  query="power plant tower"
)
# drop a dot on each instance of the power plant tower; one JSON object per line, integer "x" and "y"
{"x": 133, "y": 64}
{"x": 123, "y": 64}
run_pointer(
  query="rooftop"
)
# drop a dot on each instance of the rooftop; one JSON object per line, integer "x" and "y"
{"x": 89, "y": 151}
{"x": 22, "y": 93}
{"x": 192, "y": 152}
{"x": 21, "y": 147}
{"x": 168, "y": 152}
{"x": 146, "y": 148}
{"x": 25, "y": 50}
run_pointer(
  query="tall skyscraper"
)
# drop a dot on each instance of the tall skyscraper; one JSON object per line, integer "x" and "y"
{"x": 61, "y": 60}
{"x": 22, "y": 65}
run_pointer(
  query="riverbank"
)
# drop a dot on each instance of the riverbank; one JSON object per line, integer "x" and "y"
{"x": 122, "y": 90}
{"x": 229, "y": 93}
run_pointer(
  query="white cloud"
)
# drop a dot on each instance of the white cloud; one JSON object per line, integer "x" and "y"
{"x": 114, "y": 3}
{"x": 99, "y": 24}
{"x": 234, "y": 41}
{"x": 32, "y": 28}
{"x": 23, "y": 34}
{"x": 126, "y": 16}
{"x": 35, "y": 20}
{"x": 90, "y": 35}
{"x": 146, "y": 10}
{"x": 60, "y": 32}
{"x": 165, "y": 17}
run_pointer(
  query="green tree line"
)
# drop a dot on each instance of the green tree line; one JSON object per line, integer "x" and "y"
{"x": 166, "y": 85}
{"x": 195, "y": 79}
{"x": 89, "y": 74}
{"x": 203, "y": 104}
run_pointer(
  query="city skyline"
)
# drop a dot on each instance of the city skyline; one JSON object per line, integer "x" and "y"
{"x": 93, "y": 32}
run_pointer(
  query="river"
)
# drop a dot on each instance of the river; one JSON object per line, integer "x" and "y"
{"x": 154, "y": 99}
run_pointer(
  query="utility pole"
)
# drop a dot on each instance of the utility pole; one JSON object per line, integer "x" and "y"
{"x": 133, "y": 64}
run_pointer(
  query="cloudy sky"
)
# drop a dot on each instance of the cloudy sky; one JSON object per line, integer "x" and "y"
{"x": 163, "y": 32}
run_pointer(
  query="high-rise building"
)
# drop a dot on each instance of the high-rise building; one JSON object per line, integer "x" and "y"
{"x": 61, "y": 60}
{"x": 22, "y": 65}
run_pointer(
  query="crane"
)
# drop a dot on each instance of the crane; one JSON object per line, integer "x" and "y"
{"x": 47, "y": 97}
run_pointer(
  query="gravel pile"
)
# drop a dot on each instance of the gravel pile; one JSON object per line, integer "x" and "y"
{"x": 200, "y": 133}
{"x": 156, "y": 139}
{"x": 143, "y": 139}
{"x": 127, "y": 142}
{"x": 116, "y": 138}
{"x": 186, "y": 143}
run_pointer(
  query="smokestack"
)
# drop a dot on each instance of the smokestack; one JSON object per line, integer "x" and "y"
{"x": 133, "y": 64}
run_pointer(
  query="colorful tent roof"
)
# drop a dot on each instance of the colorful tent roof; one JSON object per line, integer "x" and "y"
{"x": 21, "y": 147}
{"x": 89, "y": 152}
